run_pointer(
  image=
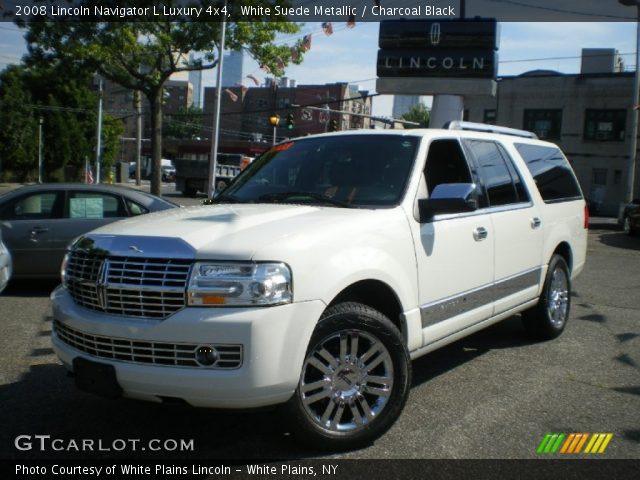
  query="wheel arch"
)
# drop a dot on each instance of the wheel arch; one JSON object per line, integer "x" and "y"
{"x": 377, "y": 295}
{"x": 564, "y": 250}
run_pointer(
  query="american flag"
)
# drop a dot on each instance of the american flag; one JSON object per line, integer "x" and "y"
{"x": 88, "y": 174}
{"x": 327, "y": 28}
{"x": 294, "y": 54}
{"x": 306, "y": 42}
{"x": 351, "y": 22}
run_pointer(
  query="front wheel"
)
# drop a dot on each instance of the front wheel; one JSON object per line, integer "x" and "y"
{"x": 548, "y": 318}
{"x": 355, "y": 379}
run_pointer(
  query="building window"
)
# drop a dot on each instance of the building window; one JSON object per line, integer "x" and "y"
{"x": 617, "y": 177}
{"x": 545, "y": 123}
{"x": 599, "y": 176}
{"x": 605, "y": 125}
{"x": 489, "y": 117}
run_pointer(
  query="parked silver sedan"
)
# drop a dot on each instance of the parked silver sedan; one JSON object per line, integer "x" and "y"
{"x": 39, "y": 221}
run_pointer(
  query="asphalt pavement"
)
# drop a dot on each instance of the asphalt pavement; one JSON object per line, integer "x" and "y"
{"x": 494, "y": 394}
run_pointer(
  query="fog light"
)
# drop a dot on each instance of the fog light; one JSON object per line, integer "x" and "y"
{"x": 206, "y": 356}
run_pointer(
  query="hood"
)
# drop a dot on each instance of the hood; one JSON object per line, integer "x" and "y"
{"x": 235, "y": 232}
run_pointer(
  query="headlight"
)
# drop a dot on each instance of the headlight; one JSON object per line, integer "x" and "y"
{"x": 239, "y": 284}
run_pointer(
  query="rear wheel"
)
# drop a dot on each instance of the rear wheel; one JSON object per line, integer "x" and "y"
{"x": 355, "y": 379}
{"x": 549, "y": 317}
{"x": 626, "y": 226}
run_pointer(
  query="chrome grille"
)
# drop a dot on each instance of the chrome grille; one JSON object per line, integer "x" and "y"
{"x": 127, "y": 286}
{"x": 146, "y": 352}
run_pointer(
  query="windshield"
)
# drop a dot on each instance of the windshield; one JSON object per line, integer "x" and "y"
{"x": 341, "y": 171}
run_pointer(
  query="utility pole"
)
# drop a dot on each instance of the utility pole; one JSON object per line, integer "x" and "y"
{"x": 633, "y": 141}
{"x": 40, "y": 120}
{"x": 213, "y": 157}
{"x": 137, "y": 99}
{"x": 99, "y": 131}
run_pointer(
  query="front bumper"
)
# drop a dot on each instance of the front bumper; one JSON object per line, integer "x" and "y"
{"x": 274, "y": 341}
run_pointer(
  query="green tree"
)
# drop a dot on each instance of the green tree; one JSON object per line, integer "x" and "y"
{"x": 419, "y": 113}
{"x": 185, "y": 123}
{"x": 19, "y": 132}
{"x": 142, "y": 55}
{"x": 67, "y": 106}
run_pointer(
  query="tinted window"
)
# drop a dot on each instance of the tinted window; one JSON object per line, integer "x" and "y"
{"x": 94, "y": 205}
{"x": 494, "y": 173}
{"x": 551, "y": 171}
{"x": 38, "y": 206}
{"x": 605, "y": 125}
{"x": 521, "y": 190}
{"x": 353, "y": 169}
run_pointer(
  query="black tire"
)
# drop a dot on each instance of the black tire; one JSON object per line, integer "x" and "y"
{"x": 548, "y": 318}
{"x": 626, "y": 226}
{"x": 351, "y": 389}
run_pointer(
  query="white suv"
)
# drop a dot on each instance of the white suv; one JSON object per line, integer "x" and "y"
{"x": 322, "y": 270}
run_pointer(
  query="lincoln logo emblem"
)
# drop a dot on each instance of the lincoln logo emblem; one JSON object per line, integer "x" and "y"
{"x": 435, "y": 33}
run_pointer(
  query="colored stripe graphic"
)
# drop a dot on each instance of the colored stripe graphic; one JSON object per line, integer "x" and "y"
{"x": 573, "y": 443}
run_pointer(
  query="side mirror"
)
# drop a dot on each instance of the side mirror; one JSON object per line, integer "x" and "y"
{"x": 448, "y": 198}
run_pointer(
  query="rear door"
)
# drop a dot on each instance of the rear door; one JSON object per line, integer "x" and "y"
{"x": 517, "y": 225}
{"x": 87, "y": 210}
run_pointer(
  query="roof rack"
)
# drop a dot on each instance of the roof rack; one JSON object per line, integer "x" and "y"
{"x": 483, "y": 127}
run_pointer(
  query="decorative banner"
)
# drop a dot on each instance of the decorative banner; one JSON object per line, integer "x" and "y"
{"x": 255, "y": 80}
{"x": 327, "y": 28}
{"x": 306, "y": 42}
{"x": 437, "y": 63}
{"x": 232, "y": 96}
{"x": 352, "y": 21}
{"x": 265, "y": 68}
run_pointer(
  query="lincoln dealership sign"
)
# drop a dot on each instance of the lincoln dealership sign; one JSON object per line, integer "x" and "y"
{"x": 452, "y": 49}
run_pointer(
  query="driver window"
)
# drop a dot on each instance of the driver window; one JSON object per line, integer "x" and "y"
{"x": 446, "y": 163}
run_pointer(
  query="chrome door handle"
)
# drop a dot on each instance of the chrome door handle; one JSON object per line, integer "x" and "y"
{"x": 535, "y": 222}
{"x": 480, "y": 234}
{"x": 36, "y": 230}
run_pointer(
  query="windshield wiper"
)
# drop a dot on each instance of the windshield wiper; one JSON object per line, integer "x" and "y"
{"x": 282, "y": 196}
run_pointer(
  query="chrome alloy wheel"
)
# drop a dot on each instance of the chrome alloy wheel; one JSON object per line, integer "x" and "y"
{"x": 346, "y": 381}
{"x": 558, "y": 298}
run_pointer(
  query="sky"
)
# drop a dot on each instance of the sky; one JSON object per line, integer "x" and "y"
{"x": 349, "y": 55}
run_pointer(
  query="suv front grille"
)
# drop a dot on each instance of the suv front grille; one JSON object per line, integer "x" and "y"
{"x": 127, "y": 286}
{"x": 146, "y": 352}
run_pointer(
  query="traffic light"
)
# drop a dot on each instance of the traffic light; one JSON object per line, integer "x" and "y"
{"x": 333, "y": 126}
{"x": 290, "y": 123}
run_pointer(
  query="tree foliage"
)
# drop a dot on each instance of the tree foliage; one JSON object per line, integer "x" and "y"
{"x": 142, "y": 55}
{"x": 419, "y": 113}
{"x": 68, "y": 108}
{"x": 185, "y": 123}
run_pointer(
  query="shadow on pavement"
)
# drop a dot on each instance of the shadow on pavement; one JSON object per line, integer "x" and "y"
{"x": 30, "y": 288}
{"x": 620, "y": 240}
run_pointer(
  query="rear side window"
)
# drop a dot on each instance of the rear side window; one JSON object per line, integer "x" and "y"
{"x": 501, "y": 181}
{"x": 551, "y": 171}
{"x": 37, "y": 206}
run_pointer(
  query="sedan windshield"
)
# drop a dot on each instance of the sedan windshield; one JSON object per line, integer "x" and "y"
{"x": 339, "y": 171}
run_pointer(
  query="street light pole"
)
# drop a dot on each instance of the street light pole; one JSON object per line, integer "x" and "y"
{"x": 633, "y": 147}
{"x": 213, "y": 157}
{"x": 40, "y": 120}
{"x": 274, "y": 120}
{"x": 99, "y": 132}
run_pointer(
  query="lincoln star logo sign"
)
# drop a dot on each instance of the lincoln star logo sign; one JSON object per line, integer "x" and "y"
{"x": 101, "y": 284}
{"x": 435, "y": 33}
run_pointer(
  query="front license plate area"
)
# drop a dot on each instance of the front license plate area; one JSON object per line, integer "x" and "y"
{"x": 97, "y": 378}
